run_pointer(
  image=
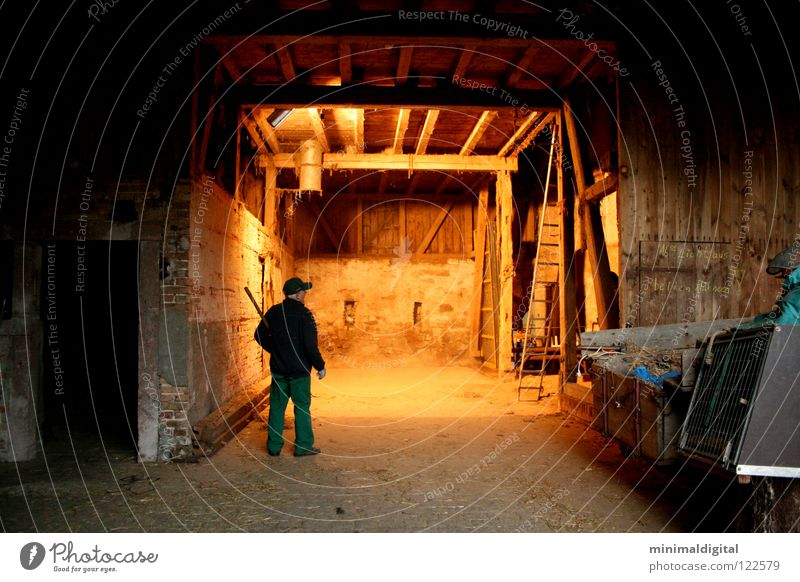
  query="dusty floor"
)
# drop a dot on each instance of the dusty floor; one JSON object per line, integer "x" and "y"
{"x": 404, "y": 450}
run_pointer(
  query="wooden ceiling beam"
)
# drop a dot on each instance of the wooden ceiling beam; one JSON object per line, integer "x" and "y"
{"x": 407, "y": 162}
{"x": 521, "y": 68}
{"x": 427, "y": 130}
{"x": 319, "y": 128}
{"x": 345, "y": 63}
{"x": 524, "y": 127}
{"x": 400, "y": 131}
{"x": 463, "y": 61}
{"x": 475, "y": 136}
{"x": 568, "y": 80}
{"x": 295, "y": 95}
{"x": 285, "y": 59}
{"x": 403, "y": 65}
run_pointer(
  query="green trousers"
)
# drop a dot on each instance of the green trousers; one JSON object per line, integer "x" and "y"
{"x": 299, "y": 390}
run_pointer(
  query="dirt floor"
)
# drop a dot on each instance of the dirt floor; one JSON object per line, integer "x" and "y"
{"x": 404, "y": 450}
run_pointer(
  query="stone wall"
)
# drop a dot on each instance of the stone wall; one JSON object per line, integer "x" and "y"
{"x": 390, "y": 312}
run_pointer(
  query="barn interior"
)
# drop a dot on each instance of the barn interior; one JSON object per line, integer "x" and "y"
{"x": 471, "y": 187}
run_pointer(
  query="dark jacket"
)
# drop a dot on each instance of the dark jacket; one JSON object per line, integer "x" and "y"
{"x": 291, "y": 339}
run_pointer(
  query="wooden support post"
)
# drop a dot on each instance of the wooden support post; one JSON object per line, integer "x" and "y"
{"x": 469, "y": 243}
{"x": 237, "y": 189}
{"x": 195, "y": 111}
{"x": 505, "y": 308}
{"x": 209, "y": 120}
{"x": 568, "y": 313}
{"x": 360, "y": 226}
{"x": 595, "y": 253}
{"x": 477, "y": 278}
{"x": 271, "y": 199}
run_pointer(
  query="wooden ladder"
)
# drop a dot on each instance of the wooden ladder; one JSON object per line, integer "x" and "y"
{"x": 540, "y": 341}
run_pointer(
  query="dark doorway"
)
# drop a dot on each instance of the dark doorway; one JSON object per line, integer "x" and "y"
{"x": 91, "y": 330}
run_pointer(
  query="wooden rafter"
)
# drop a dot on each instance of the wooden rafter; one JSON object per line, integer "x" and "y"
{"x": 250, "y": 125}
{"x": 429, "y": 236}
{"x": 463, "y": 61}
{"x": 522, "y": 66}
{"x": 407, "y": 162}
{"x": 287, "y": 65}
{"x": 358, "y": 130}
{"x": 475, "y": 136}
{"x": 266, "y": 128}
{"x": 400, "y": 131}
{"x": 577, "y": 70}
{"x": 319, "y": 128}
{"x": 345, "y": 63}
{"x": 525, "y": 126}
{"x": 547, "y": 119}
{"x": 427, "y": 130}
{"x": 403, "y": 65}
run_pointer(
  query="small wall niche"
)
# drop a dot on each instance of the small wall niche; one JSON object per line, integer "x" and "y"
{"x": 349, "y": 313}
{"x": 417, "y": 312}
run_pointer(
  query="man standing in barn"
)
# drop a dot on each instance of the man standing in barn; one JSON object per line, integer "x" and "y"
{"x": 290, "y": 336}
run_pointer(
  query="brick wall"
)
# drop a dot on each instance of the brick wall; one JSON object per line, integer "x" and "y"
{"x": 174, "y": 429}
{"x": 228, "y": 250}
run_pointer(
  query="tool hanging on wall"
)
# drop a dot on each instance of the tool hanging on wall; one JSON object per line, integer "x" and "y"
{"x": 258, "y": 308}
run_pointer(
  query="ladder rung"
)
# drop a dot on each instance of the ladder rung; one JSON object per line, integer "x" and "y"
{"x": 551, "y": 224}
{"x": 487, "y": 336}
{"x": 543, "y": 244}
{"x": 547, "y": 263}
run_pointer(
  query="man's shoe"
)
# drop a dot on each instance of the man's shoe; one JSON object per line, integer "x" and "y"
{"x": 306, "y": 452}
{"x": 271, "y": 454}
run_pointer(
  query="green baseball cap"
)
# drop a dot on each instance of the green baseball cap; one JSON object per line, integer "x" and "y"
{"x": 295, "y": 285}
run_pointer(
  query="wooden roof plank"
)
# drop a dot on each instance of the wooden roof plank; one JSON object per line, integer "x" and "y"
{"x": 477, "y": 132}
{"x": 400, "y": 130}
{"x": 427, "y": 131}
